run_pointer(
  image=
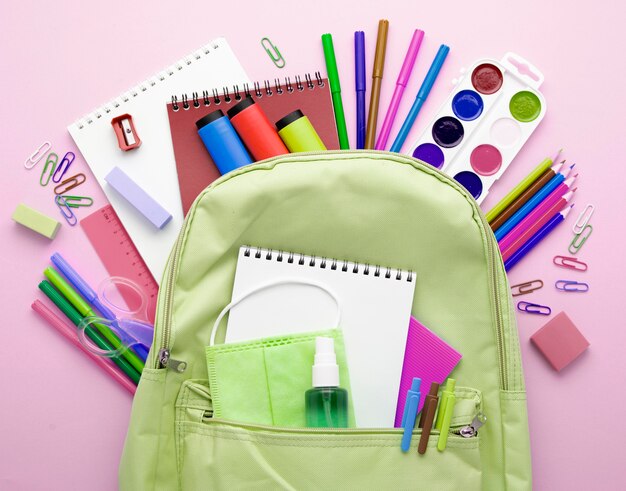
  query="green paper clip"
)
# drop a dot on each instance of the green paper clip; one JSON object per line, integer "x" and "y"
{"x": 51, "y": 164}
{"x": 273, "y": 53}
{"x": 77, "y": 201}
{"x": 580, "y": 239}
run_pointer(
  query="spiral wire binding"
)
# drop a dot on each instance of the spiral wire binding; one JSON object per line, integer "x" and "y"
{"x": 146, "y": 85}
{"x": 267, "y": 89}
{"x": 322, "y": 262}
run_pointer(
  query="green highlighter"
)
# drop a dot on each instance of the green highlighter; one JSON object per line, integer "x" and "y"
{"x": 72, "y": 314}
{"x": 444, "y": 415}
{"x": 85, "y": 310}
{"x": 335, "y": 89}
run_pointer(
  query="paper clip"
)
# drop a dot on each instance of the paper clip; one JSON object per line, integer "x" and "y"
{"x": 579, "y": 239}
{"x": 37, "y": 155}
{"x": 534, "y": 308}
{"x": 571, "y": 286}
{"x": 66, "y": 211}
{"x": 583, "y": 219}
{"x": 569, "y": 262}
{"x": 524, "y": 288}
{"x": 273, "y": 53}
{"x": 66, "y": 161}
{"x": 51, "y": 162}
{"x": 77, "y": 201}
{"x": 70, "y": 183}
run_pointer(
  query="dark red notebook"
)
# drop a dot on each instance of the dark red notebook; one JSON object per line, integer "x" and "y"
{"x": 193, "y": 163}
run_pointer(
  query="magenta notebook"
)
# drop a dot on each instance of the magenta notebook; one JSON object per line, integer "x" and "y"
{"x": 426, "y": 356}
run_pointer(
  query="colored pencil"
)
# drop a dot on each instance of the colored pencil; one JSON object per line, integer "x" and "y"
{"x": 69, "y": 333}
{"x": 532, "y": 203}
{"x": 523, "y": 198}
{"x": 524, "y": 184}
{"x": 74, "y": 316}
{"x": 377, "y": 79}
{"x": 543, "y": 232}
{"x": 522, "y": 238}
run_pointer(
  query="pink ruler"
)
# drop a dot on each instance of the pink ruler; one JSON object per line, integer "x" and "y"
{"x": 118, "y": 253}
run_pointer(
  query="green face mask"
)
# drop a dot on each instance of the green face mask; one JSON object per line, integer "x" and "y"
{"x": 263, "y": 381}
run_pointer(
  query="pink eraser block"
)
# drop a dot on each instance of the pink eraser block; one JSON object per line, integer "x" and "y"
{"x": 560, "y": 341}
{"x": 426, "y": 356}
{"x": 136, "y": 196}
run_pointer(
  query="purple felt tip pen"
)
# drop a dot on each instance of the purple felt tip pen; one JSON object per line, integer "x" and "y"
{"x": 359, "y": 76}
{"x": 403, "y": 79}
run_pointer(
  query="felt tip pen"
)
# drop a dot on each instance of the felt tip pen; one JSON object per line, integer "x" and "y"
{"x": 422, "y": 95}
{"x": 444, "y": 415}
{"x": 428, "y": 416}
{"x": 360, "y": 86}
{"x": 335, "y": 89}
{"x": 410, "y": 413}
{"x": 377, "y": 80}
{"x": 403, "y": 79}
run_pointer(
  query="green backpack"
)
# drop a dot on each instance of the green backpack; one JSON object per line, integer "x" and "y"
{"x": 368, "y": 207}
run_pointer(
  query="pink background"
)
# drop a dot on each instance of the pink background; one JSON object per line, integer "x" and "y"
{"x": 63, "y": 422}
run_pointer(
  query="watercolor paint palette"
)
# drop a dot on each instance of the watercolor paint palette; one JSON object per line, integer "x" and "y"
{"x": 485, "y": 121}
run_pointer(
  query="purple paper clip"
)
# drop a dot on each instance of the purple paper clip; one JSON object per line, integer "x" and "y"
{"x": 534, "y": 308}
{"x": 571, "y": 286}
{"x": 62, "y": 168}
{"x": 570, "y": 263}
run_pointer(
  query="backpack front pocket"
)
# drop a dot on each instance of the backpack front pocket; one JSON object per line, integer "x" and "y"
{"x": 220, "y": 454}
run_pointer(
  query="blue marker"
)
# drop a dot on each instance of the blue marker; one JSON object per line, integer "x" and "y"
{"x": 422, "y": 95}
{"x": 92, "y": 297}
{"x": 532, "y": 203}
{"x": 409, "y": 416}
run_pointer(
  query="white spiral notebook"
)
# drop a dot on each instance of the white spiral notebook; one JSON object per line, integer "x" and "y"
{"x": 152, "y": 165}
{"x": 375, "y": 306}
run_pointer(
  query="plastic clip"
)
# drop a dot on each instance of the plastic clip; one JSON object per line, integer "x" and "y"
{"x": 51, "y": 162}
{"x": 77, "y": 201}
{"x": 570, "y": 263}
{"x": 37, "y": 155}
{"x": 273, "y": 52}
{"x": 66, "y": 161}
{"x": 583, "y": 219}
{"x": 524, "y": 288}
{"x": 571, "y": 286}
{"x": 66, "y": 211}
{"x": 70, "y": 183}
{"x": 579, "y": 239}
{"x": 534, "y": 308}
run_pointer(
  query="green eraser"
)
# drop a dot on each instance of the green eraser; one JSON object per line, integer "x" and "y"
{"x": 37, "y": 221}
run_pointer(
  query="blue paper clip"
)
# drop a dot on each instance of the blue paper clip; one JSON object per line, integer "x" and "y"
{"x": 66, "y": 211}
{"x": 273, "y": 53}
{"x": 571, "y": 286}
{"x": 534, "y": 308}
{"x": 66, "y": 161}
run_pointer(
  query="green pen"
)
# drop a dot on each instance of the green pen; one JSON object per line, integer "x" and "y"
{"x": 335, "y": 89}
{"x": 444, "y": 415}
{"x": 72, "y": 314}
{"x": 86, "y": 311}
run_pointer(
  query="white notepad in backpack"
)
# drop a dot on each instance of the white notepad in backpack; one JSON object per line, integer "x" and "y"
{"x": 375, "y": 305}
{"x": 152, "y": 165}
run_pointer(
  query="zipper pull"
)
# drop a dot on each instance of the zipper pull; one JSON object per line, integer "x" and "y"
{"x": 167, "y": 362}
{"x": 472, "y": 429}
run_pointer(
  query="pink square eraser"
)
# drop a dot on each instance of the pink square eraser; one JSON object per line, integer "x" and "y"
{"x": 560, "y": 341}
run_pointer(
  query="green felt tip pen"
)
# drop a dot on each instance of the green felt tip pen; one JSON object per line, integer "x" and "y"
{"x": 74, "y": 316}
{"x": 335, "y": 89}
{"x": 444, "y": 415}
{"x": 85, "y": 310}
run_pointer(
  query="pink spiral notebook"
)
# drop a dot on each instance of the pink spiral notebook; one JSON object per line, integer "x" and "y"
{"x": 426, "y": 356}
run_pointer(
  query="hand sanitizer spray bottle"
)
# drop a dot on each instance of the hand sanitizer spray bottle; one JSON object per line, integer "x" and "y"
{"x": 326, "y": 403}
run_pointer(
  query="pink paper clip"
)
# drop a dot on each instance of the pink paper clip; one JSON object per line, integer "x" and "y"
{"x": 524, "y": 288}
{"x": 571, "y": 286}
{"x": 534, "y": 308}
{"x": 570, "y": 263}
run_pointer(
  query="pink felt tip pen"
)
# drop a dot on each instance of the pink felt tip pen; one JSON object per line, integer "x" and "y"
{"x": 403, "y": 79}
{"x": 69, "y": 332}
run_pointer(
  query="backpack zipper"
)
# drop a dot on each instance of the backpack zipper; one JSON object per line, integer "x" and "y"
{"x": 163, "y": 360}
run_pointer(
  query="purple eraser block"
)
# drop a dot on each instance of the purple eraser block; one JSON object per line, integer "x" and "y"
{"x": 136, "y": 196}
{"x": 560, "y": 341}
{"x": 426, "y": 356}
